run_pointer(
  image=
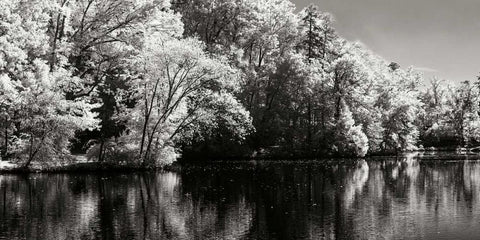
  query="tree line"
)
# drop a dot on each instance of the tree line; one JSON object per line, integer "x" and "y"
{"x": 143, "y": 81}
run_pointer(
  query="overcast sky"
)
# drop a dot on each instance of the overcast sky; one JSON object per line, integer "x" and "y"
{"x": 440, "y": 37}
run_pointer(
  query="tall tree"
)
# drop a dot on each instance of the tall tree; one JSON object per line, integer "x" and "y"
{"x": 176, "y": 85}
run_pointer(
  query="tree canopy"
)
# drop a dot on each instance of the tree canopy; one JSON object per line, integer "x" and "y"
{"x": 145, "y": 81}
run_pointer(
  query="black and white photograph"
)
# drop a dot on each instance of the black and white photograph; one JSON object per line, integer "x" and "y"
{"x": 239, "y": 119}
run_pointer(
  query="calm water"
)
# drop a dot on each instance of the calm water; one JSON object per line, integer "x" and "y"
{"x": 384, "y": 198}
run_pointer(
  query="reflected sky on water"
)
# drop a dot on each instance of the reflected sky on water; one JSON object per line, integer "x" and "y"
{"x": 413, "y": 197}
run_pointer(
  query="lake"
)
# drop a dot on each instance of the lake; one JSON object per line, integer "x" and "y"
{"x": 411, "y": 197}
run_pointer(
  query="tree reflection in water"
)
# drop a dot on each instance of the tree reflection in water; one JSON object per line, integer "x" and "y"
{"x": 405, "y": 197}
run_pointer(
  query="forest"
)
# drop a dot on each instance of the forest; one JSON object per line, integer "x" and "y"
{"x": 146, "y": 82}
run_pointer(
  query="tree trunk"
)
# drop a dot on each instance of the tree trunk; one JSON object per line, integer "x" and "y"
{"x": 338, "y": 108}
{"x": 309, "y": 127}
{"x": 5, "y": 150}
{"x": 100, "y": 154}
{"x": 30, "y": 155}
{"x": 144, "y": 133}
{"x": 34, "y": 152}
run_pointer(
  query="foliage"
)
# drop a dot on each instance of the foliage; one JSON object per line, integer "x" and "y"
{"x": 349, "y": 140}
{"x": 148, "y": 80}
{"x": 177, "y": 87}
{"x": 39, "y": 118}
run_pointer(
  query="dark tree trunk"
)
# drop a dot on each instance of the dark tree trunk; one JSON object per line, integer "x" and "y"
{"x": 309, "y": 127}
{"x": 5, "y": 150}
{"x": 100, "y": 154}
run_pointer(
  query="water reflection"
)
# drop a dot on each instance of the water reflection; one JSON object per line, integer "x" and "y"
{"x": 408, "y": 198}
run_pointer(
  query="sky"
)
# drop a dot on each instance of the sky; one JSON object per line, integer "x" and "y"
{"x": 438, "y": 37}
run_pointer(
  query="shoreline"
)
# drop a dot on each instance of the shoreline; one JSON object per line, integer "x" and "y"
{"x": 107, "y": 167}
{"x": 89, "y": 167}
